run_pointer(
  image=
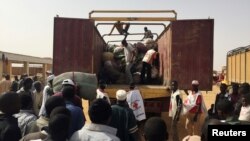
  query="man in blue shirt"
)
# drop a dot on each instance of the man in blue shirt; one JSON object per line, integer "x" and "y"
{"x": 77, "y": 116}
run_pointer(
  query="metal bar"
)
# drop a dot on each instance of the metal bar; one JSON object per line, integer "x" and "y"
{"x": 161, "y": 24}
{"x": 132, "y": 19}
{"x": 128, "y": 34}
{"x": 132, "y": 11}
{"x": 121, "y": 40}
{"x": 134, "y": 24}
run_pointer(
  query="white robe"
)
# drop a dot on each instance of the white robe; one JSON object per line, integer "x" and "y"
{"x": 135, "y": 102}
{"x": 190, "y": 102}
{"x": 173, "y": 103}
{"x": 46, "y": 96}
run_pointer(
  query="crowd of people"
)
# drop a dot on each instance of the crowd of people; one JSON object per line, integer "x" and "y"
{"x": 231, "y": 107}
{"x": 33, "y": 112}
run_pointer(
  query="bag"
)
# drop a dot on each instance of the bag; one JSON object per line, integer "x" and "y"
{"x": 106, "y": 56}
{"x": 86, "y": 82}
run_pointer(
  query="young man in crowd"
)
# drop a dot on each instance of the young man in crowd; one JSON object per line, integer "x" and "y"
{"x": 123, "y": 118}
{"x": 155, "y": 129}
{"x": 223, "y": 95}
{"x": 98, "y": 130}
{"x": 37, "y": 97}
{"x": 77, "y": 100}
{"x": 175, "y": 108}
{"x": 9, "y": 105}
{"x": 42, "y": 121}
{"x": 26, "y": 114}
{"x": 27, "y": 85}
{"x": 54, "y": 131}
{"x": 77, "y": 116}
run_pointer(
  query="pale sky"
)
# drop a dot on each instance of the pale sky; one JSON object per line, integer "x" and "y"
{"x": 26, "y": 26}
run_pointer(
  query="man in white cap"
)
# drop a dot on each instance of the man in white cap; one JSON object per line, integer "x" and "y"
{"x": 47, "y": 92}
{"x": 77, "y": 100}
{"x": 194, "y": 106}
{"x": 123, "y": 118}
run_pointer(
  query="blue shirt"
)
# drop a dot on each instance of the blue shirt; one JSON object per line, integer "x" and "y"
{"x": 77, "y": 118}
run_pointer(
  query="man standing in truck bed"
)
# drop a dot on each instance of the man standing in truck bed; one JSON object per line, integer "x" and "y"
{"x": 129, "y": 52}
{"x": 147, "y": 65}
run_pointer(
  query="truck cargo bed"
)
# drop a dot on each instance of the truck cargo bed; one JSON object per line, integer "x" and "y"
{"x": 185, "y": 51}
{"x": 147, "y": 91}
{"x": 156, "y": 97}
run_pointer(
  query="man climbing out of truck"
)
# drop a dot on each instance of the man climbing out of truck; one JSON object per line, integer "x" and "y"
{"x": 119, "y": 26}
{"x": 147, "y": 64}
{"x": 129, "y": 52}
{"x": 175, "y": 108}
{"x": 147, "y": 33}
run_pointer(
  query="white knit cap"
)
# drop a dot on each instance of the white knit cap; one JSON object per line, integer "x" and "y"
{"x": 68, "y": 82}
{"x": 195, "y": 82}
{"x": 51, "y": 77}
{"x": 121, "y": 95}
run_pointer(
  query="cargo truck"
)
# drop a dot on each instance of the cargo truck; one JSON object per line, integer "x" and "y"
{"x": 185, "y": 50}
{"x": 238, "y": 65}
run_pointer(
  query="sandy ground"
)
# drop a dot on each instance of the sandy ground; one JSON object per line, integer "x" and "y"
{"x": 209, "y": 98}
